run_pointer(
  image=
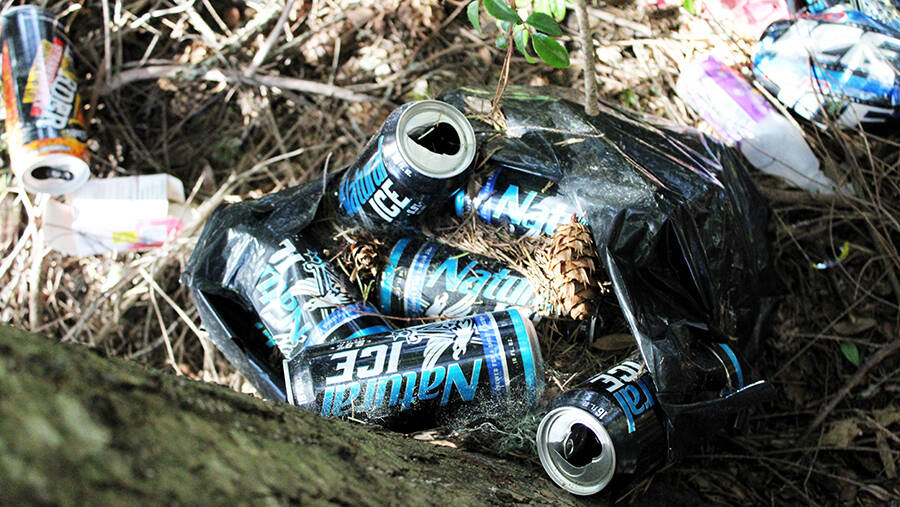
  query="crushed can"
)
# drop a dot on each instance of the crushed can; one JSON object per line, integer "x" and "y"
{"x": 44, "y": 119}
{"x": 521, "y": 203}
{"x": 840, "y": 65}
{"x": 609, "y": 430}
{"x": 423, "y": 376}
{"x": 425, "y": 278}
{"x": 280, "y": 298}
{"x": 422, "y": 153}
{"x": 303, "y": 300}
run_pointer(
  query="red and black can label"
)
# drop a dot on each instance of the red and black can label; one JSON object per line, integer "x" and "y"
{"x": 44, "y": 120}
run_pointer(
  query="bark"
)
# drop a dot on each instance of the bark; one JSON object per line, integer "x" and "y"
{"x": 77, "y": 428}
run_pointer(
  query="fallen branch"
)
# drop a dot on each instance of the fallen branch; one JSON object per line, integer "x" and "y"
{"x": 288, "y": 83}
{"x": 883, "y": 353}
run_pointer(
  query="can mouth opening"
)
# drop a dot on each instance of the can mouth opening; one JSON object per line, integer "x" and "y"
{"x": 581, "y": 447}
{"x": 53, "y": 173}
{"x": 48, "y": 173}
{"x": 435, "y": 139}
{"x": 441, "y": 138}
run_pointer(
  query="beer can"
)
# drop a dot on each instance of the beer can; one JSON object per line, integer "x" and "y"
{"x": 424, "y": 278}
{"x": 610, "y": 430}
{"x": 522, "y": 203}
{"x": 44, "y": 121}
{"x": 423, "y": 376}
{"x": 304, "y": 301}
{"x": 422, "y": 153}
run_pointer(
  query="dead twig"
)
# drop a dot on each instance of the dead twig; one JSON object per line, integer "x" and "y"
{"x": 227, "y": 76}
{"x": 267, "y": 46}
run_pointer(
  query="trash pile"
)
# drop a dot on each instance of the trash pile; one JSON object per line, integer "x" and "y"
{"x": 668, "y": 216}
{"x": 423, "y": 333}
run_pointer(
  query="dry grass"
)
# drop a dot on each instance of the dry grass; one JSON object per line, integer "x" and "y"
{"x": 240, "y": 99}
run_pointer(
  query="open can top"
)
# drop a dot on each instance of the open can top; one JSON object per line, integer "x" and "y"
{"x": 576, "y": 450}
{"x": 435, "y": 139}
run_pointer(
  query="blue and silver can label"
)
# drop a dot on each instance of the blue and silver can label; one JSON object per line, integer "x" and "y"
{"x": 424, "y": 375}
{"x": 610, "y": 429}
{"x": 424, "y": 278}
{"x": 522, "y": 203}
{"x": 419, "y": 157}
{"x": 302, "y": 300}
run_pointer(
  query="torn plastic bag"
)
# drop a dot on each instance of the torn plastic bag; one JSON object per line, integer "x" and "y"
{"x": 883, "y": 11}
{"x": 266, "y": 291}
{"x": 840, "y": 64}
{"x": 679, "y": 222}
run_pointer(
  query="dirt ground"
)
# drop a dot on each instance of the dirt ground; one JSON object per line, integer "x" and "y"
{"x": 238, "y": 100}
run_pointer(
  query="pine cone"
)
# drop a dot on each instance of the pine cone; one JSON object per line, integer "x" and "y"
{"x": 363, "y": 256}
{"x": 573, "y": 263}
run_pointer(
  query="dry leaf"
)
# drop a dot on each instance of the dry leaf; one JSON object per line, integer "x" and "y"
{"x": 887, "y": 457}
{"x": 842, "y": 433}
{"x": 612, "y": 342}
{"x": 887, "y": 416}
{"x": 855, "y": 326}
{"x": 443, "y": 443}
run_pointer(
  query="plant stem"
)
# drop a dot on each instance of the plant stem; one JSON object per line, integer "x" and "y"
{"x": 587, "y": 45}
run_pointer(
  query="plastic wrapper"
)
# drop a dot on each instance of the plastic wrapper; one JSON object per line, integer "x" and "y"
{"x": 840, "y": 64}
{"x": 883, "y": 11}
{"x": 679, "y": 222}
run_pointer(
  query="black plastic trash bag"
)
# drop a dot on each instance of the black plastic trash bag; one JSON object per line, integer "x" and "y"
{"x": 679, "y": 222}
{"x": 674, "y": 214}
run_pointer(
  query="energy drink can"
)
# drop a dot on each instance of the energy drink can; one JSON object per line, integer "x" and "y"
{"x": 426, "y": 375}
{"x": 424, "y": 278}
{"x": 609, "y": 430}
{"x": 420, "y": 156}
{"x": 523, "y": 203}
{"x": 44, "y": 120}
{"x": 304, "y": 301}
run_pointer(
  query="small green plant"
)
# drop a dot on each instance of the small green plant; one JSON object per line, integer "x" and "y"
{"x": 539, "y": 29}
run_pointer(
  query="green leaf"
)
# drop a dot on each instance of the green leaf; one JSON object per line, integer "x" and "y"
{"x": 850, "y": 352}
{"x": 542, "y": 6}
{"x": 520, "y": 37}
{"x": 501, "y": 42}
{"x": 631, "y": 99}
{"x": 557, "y": 9}
{"x": 472, "y": 12}
{"x": 544, "y": 23}
{"x": 501, "y": 10}
{"x": 692, "y": 6}
{"x": 550, "y": 51}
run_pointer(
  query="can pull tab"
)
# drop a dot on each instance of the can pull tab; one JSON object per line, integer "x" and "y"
{"x": 581, "y": 446}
